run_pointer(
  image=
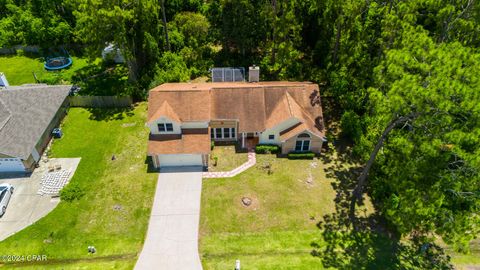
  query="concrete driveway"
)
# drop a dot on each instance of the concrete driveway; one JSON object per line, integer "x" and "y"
{"x": 172, "y": 237}
{"x": 25, "y": 206}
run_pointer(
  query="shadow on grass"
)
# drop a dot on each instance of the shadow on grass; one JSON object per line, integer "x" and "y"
{"x": 110, "y": 114}
{"x": 101, "y": 80}
{"x": 371, "y": 244}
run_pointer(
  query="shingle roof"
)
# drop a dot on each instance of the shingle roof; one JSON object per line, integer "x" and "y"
{"x": 31, "y": 108}
{"x": 257, "y": 106}
{"x": 4, "y": 114}
{"x": 166, "y": 110}
{"x": 193, "y": 143}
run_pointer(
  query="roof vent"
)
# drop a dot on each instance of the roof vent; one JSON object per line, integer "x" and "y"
{"x": 3, "y": 80}
{"x": 254, "y": 74}
{"x": 228, "y": 74}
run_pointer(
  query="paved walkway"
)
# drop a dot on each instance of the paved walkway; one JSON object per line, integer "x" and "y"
{"x": 251, "y": 161}
{"x": 26, "y": 206}
{"x": 172, "y": 237}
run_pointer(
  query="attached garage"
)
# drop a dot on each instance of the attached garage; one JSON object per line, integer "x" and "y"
{"x": 179, "y": 160}
{"x": 11, "y": 165}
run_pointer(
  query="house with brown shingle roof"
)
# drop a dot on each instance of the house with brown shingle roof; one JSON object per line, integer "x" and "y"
{"x": 185, "y": 117}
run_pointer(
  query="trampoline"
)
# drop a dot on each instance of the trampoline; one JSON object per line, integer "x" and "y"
{"x": 58, "y": 63}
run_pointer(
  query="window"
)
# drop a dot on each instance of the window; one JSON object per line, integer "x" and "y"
{"x": 218, "y": 133}
{"x": 271, "y": 137}
{"x": 223, "y": 133}
{"x": 226, "y": 133}
{"x": 165, "y": 127}
{"x": 161, "y": 128}
{"x": 302, "y": 145}
{"x": 212, "y": 133}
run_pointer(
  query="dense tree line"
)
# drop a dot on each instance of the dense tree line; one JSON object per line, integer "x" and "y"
{"x": 404, "y": 73}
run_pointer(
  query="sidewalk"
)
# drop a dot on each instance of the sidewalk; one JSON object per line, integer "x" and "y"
{"x": 252, "y": 160}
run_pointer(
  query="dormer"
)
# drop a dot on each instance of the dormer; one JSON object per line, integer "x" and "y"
{"x": 164, "y": 121}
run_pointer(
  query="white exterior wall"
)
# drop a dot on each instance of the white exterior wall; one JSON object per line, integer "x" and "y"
{"x": 194, "y": 125}
{"x": 154, "y": 126}
{"x": 263, "y": 137}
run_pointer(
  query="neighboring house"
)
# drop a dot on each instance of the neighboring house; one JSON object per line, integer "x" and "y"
{"x": 184, "y": 117}
{"x": 28, "y": 114}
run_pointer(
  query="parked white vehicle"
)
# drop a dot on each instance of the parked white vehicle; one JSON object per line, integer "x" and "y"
{"x": 6, "y": 191}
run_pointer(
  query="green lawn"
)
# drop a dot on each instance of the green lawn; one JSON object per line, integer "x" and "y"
{"x": 228, "y": 159}
{"x": 19, "y": 70}
{"x": 118, "y": 234}
{"x": 276, "y": 230}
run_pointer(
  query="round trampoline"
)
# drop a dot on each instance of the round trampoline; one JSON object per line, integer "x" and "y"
{"x": 58, "y": 63}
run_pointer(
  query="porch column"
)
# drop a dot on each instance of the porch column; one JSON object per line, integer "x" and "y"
{"x": 243, "y": 139}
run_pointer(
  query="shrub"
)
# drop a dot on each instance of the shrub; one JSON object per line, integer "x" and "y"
{"x": 267, "y": 149}
{"x": 71, "y": 192}
{"x": 351, "y": 126}
{"x": 212, "y": 145}
{"x": 301, "y": 155}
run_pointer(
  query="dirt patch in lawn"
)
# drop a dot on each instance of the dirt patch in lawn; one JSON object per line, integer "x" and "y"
{"x": 248, "y": 201}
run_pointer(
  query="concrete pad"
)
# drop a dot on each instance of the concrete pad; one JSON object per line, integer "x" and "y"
{"x": 172, "y": 237}
{"x": 26, "y": 206}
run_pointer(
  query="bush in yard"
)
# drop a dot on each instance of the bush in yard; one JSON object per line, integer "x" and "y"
{"x": 351, "y": 125}
{"x": 301, "y": 155}
{"x": 71, "y": 192}
{"x": 212, "y": 145}
{"x": 267, "y": 149}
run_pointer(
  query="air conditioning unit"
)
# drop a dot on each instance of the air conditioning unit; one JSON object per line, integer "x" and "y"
{"x": 254, "y": 74}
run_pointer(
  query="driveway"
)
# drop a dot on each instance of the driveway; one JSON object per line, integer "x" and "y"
{"x": 26, "y": 206}
{"x": 172, "y": 237}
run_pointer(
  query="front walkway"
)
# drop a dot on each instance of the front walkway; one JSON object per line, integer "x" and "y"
{"x": 172, "y": 237}
{"x": 251, "y": 161}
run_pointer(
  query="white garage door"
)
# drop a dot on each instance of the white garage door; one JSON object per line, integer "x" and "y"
{"x": 180, "y": 160}
{"x": 11, "y": 165}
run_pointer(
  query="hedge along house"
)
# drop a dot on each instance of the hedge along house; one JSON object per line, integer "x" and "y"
{"x": 184, "y": 117}
{"x": 28, "y": 114}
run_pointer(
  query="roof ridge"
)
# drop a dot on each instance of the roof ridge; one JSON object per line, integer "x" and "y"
{"x": 288, "y": 96}
{"x": 305, "y": 114}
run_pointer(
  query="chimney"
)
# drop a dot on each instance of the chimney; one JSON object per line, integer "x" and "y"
{"x": 254, "y": 74}
{"x": 3, "y": 80}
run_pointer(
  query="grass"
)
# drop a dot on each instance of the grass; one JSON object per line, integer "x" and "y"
{"x": 276, "y": 231}
{"x": 461, "y": 260}
{"x": 118, "y": 235}
{"x": 19, "y": 70}
{"x": 279, "y": 230}
{"x": 94, "y": 78}
{"x": 228, "y": 159}
{"x": 283, "y": 200}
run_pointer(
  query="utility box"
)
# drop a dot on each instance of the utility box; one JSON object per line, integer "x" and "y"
{"x": 57, "y": 133}
{"x": 254, "y": 74}
{"x": 3, "y": 80}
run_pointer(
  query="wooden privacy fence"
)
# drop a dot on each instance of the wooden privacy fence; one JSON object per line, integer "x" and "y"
{"x": 100, "y": 101}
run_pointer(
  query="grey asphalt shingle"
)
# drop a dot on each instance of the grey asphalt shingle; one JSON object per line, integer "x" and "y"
{"x": 31, "y": 110}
